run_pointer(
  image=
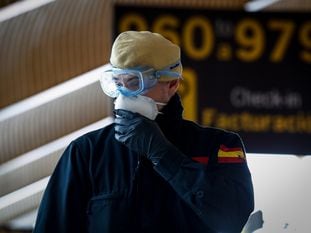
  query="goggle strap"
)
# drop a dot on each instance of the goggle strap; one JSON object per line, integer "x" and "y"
{"x": 167, "y": 73}
{"x": 172, "y": 66}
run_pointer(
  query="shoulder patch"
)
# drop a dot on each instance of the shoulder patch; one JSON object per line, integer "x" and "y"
{"x": 230, "y": 154}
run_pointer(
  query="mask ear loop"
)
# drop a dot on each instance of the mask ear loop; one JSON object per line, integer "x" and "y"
{"x": 161, "y": 104}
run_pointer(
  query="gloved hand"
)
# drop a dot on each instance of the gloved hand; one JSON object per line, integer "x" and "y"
{"x": 140, "y": 134}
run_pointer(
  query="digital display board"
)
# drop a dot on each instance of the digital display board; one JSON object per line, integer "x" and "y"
{"x": 245, "y": 72}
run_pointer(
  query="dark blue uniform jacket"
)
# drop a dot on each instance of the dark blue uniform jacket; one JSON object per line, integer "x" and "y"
{"x": 100, "y": 186}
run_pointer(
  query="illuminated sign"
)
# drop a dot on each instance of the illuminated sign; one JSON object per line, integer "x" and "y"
{"x": 245, "y": 72}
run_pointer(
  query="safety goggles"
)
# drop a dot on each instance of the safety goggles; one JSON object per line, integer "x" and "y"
{"x": 131, "y": 82}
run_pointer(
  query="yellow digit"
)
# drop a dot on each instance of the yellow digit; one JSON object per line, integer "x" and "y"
{"x": 166, "y": 26}
{"x": 249, "y": 34}
{"x": 286, "y": 29}
{"x": 305, "y": 40}
{"x": 132, "y": 21}
{"x": 207, "y": 40}
{"x": 189, "y": 94}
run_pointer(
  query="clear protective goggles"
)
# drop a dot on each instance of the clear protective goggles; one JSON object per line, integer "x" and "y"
{"x": 132, "y": 82}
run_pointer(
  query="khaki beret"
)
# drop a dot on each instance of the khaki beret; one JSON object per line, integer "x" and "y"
{"x": 143, "y": 48}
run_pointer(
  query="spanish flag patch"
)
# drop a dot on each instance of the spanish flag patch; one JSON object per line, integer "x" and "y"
{"x": 230, "y": 155}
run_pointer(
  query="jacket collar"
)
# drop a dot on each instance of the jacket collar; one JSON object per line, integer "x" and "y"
{"x": 170, "y": 117}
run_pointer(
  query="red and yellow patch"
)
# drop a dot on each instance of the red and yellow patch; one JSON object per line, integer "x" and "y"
{"x": 225, "y": 155}
{"x": 230, "y": 155}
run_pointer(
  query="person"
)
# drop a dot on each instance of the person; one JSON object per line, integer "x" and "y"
{"x": 150, "y": 170}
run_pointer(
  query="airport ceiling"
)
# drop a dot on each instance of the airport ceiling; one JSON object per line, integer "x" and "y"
{"x": 273, "y": 5}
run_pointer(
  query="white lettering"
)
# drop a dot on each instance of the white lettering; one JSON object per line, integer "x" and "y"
{"x": 243, "y": 97}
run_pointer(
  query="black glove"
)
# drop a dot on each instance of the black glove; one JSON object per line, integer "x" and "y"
{"x": 140, "y": 134}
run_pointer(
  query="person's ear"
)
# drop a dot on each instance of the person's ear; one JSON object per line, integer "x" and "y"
{"x": 173, "y": 86}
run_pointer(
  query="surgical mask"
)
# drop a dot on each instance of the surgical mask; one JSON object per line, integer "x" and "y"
{"x": 138, "y": 104}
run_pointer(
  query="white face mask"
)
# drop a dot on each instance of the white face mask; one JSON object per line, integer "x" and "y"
{"x": 138, "y": 104}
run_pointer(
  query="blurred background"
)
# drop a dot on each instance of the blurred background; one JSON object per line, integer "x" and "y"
{"x": 246, "y": 69}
